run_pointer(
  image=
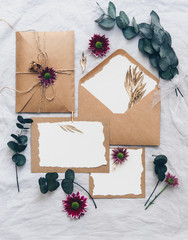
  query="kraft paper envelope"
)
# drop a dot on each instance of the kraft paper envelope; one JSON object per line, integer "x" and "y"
{"x": 55, "y": 150}
{"x": 102, "y": 96}
{"x": 59, "y": 47}
{"x": 124, "y": 181}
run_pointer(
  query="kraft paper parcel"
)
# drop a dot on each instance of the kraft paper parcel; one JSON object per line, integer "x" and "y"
{"x": 59, "y": 47}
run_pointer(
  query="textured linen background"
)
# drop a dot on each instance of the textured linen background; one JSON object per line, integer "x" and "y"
{"x": 30, "y": 215}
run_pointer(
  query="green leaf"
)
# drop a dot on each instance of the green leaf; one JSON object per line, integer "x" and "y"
{"x": 129, "y": 32}
{"x": 169, "y": 73}
{"x": 13, "y": 146}
{"x": 160, "y": 160}
{"x": 51, "y": 176}
{"x": 141, "y": 46}
{"x": 161, "y": 175}
{"x": 135, "y": 25}
{"x": 21, "y": 148}
{"x": 157, "y": 39}
{"x": 167, "y": 38}
{"x": 112, "y": 10}
{"x": 145, "y": 30}
{"x": 15, "y": 137}
{"x": 20, "y": 119}
{"x": 69, "y": 175}
{"x": 124, "y": 16}
{"x": 167, "y": 51}
{"x": 28, "y": 120}
{"x": 67, "y": 186}
{"x": 43, "y": 185}
{"x": 19, "y": 125}
{"x": 164, "y": 64}
{"x": 148, "y": 47}
{"x": 53, "y": 185}
{"x": 155, "y": 20}
{"x": 122, "y": 21}
{"x": 154, "y": 58}
{"x": 22, "y": 139}
{"x": 19, "y": 159}
{"x": 98, "y": 20}
{"x": 107, "y": 23}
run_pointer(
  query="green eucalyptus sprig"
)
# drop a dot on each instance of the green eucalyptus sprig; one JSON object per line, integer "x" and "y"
{"x": 160, "y": 170}
{"x": 50, "y": 183}
{"x": 20, "y": 144}
{"x": 154, "y": 41}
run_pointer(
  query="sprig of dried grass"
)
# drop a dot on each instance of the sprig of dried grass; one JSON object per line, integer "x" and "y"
{"x": 134, "y": 85}
{"x": 70, "y": 128}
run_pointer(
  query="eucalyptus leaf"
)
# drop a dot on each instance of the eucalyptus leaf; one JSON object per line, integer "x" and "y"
{"x": 13, "y": 146}
{"x": 121, "y": 23}
{"x": 20, "y": 119}
{"x": 145, "y": 30}
{"x": 135, "y": 25}
{"x": 51, "y": 176}
{"x": 155, "y": 20}
{"x": 124, "y": 16}
{"x": 107, "y": 23}
{"x": 112, "y": 10}
{"x": 154, "y": 58}
{"x": 19, "y": 159}
{"x": 21, "y": 148}
{"x": 22, "y": 139}
{"x": 129, "y": 32}
{"x": 67, "y": 186}
{"x": 43, "y": 185}
{"x": 167, "y": 38}
{"x": 164, "y": 63}
{"x": 15, "y": 137}
{"x": 148, "y": 47}
{"x": 160, "y": 160}
{"x": 141, "y": 46}
{"x": 169, "y": 73}
{"x": 98, "y": 20}
{"x": 157, "y": 38}
{"x": 69, "y": 175}
{"x": 19, "y": 125}
{"x": 28, "y": 120}
{"x": 53, "y": 185}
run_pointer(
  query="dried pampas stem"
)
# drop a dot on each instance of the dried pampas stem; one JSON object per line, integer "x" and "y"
{"x": 134, "y": 85}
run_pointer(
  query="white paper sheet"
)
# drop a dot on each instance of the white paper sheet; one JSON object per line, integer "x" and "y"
{"x": 59, "y": 148}
{"x": 124, "y": 179}
{"x": 108, "y": 84}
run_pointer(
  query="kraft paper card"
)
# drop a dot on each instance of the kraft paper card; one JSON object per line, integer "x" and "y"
{"x": 124, "y": 181}
{"x": 107, "y": 89}
{"x": 58, "y": 144}
{"x": 50, "y": 49}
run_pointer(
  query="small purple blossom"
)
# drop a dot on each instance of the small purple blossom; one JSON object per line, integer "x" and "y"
{"x": 119, "y": 155}
{"x": 99, "y": 45}
{"x": 172, "y": 180}
{"x": 75, "y": 205}
{"x": 47, "y": 76}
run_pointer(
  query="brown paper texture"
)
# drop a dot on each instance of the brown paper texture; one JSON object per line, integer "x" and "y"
{"x": 60, "y": 50}
{"x": 142, "y": 195}
{"x": 139, "y": 125}
{"x": 36, "y": 168}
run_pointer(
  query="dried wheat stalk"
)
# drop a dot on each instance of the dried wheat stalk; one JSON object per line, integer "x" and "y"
{"x": 134, "y": 85}
{"x": 70, "y": 128}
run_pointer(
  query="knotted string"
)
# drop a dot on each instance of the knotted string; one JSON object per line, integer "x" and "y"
{"x": 42, "y": 59}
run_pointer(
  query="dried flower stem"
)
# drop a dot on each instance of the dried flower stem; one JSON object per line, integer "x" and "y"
{"x": 156, "y": 197}
{"x": 134, "y": 85}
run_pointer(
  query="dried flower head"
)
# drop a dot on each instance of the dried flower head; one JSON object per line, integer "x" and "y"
{"x": 99, "y": 45}
{"x": 171, "y": 180}
{"x": 47, "y": 76}
{"x": 75, "y": 205}
{"x": 119, "y": 155}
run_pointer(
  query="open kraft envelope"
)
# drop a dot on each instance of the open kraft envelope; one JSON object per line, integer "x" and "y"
{"x": 102, "y": 94}
{"x": 59, "y": 47}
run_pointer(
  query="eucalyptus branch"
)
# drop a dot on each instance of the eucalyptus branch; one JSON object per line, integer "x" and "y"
{"x": 152, "y": 193}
